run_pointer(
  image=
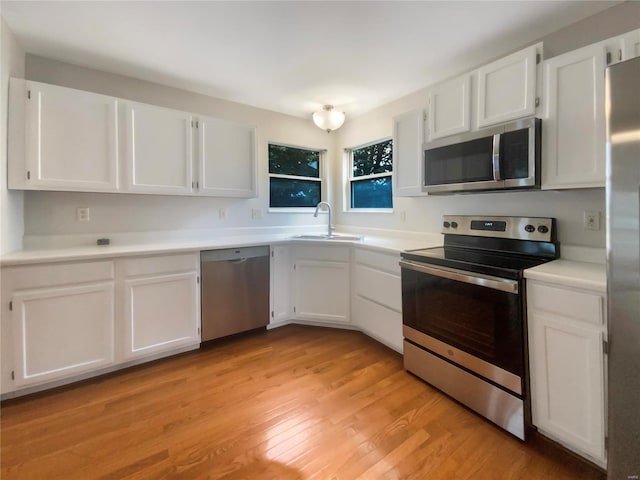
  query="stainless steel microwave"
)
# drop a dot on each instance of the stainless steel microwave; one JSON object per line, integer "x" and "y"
{"x": 502, "y": 157}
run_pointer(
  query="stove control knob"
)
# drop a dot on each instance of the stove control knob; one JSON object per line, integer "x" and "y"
{"x": 529, "y": 228}
{"x": 543, "y": 229}
{"x": 454, "y": 224}
{"x": 446, "y": 224}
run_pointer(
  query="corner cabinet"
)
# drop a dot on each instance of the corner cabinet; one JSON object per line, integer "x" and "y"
{"x": 62, "y": 139}
{"x": 321, "y": 284}
{"x": 280, "y": 284}
{"x": 71, "y": 140}
{"x": 408, "y": 137}
{"x": 507, "y": 87}
{"x": 567, "y": 331}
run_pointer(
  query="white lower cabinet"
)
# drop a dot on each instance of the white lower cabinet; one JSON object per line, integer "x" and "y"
{"x": 567, "y": 366}
{"x": 321, "y": 284}
{"x": 59, "y": 323}
{"x": 377, "y": 297}
{"x": 280, "y": 284}
{"x": 161, "y": 304}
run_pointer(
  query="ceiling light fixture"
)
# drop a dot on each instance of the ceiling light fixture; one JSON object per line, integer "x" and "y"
{"x": 328, "y": 119}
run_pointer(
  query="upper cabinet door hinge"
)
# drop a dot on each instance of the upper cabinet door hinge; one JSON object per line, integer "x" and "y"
{"x": 28, "y": 94}
{"x": 28, "y": 174}
{"x": 538, "y": 58}
{"x": 13, "y": 375}
{"x": 605, "y": 347}
{"x": 619, "y": 54}
{"x": 271, "y": 313}
{"x": 537, "y": 101}
{"x": 11, "y": 306}
{"x": 198, "y": 279}
{"x": 272, "y": 253}
{"x": 197, "y": 124}
{"x": 608, "y": 58}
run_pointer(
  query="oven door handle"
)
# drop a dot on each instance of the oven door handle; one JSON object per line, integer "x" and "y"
{"x": 496, "y": 283}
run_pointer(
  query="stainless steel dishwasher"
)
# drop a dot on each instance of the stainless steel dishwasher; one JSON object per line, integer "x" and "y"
{"x": 235, "y": 290}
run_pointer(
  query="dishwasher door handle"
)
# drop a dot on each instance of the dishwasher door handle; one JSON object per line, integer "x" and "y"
{"x": 239, "y": 260}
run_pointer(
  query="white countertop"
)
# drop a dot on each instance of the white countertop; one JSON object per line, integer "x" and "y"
{"x": 571, "y": 273}
{"x": 42, "y": 255}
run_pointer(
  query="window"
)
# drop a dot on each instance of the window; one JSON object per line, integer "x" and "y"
{"x": 294, "y": 176}
{"x": 370, "y": 168}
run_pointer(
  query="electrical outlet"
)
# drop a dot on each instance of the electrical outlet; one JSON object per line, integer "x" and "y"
{"x": 591, "y": 220}
{"x": 256, "y": 213}
{"x": 82, "y": 214}
{"x": 222, "y": 213}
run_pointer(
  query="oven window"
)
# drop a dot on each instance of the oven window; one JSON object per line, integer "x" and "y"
{"x": 479, "y": 320}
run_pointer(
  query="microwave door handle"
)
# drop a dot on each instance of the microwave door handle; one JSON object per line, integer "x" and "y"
{"x": 495, "y": 283}
{"x": 495, "y": 157}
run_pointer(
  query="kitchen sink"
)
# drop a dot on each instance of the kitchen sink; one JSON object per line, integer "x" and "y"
{"x": 333, "y": 236}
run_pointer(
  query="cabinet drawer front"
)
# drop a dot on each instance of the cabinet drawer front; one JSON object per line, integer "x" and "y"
{"x": 381, "y": 261}
{"x": 379, "y": 287}
{"x": 328, "y": 253}
{"x": 582, "y": 306}
{"x": 49, "y": 275}
{"x": 165, "y": 264}
{"x": 379, "y": 322}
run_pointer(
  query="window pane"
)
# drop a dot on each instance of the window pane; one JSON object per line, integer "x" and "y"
{"x": 371, "y": 193}
{"x": 377, "y": 158}
{"x": 294, "y": 161}
{"x": 293, "y": 193}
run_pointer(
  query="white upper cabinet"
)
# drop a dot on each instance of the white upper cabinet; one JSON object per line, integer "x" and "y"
{"x": 62, "y": 139}
{"x": 450, "y": 107}
{"x": 408, "y": 136}
{"x": 630, "y": 45}
{"x": 159, "y": 146}
{"x": 573, "y": 153}
{"x": 507, "y": 87}
{"x": 226, "y": 159}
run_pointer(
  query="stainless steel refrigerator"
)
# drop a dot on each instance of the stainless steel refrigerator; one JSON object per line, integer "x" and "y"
{"x": 623, "y": 268}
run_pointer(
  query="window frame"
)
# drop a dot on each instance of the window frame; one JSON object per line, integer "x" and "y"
{"x": 349, "y": 179}
{"x": 322, "y": 152}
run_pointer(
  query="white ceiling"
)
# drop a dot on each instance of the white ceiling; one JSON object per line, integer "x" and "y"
{"x": 291, "y": 56}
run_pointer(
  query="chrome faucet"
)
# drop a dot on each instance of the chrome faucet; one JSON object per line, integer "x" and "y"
{"x": 330, "y": 228}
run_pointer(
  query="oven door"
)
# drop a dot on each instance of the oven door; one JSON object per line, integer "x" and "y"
{"x": 470, "y": 319}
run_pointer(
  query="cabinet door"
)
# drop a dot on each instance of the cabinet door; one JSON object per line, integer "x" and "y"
{"x": 280, "y": 273}
{"x": 631, "y": 45}
{"x": 159, "y": 150}
{"x": 71, "y": 139}
{"x": 62, "y": 331}
{"x": 161, "y": 313}
{"x": 408, "y": 136}
{"x": 321, "y": 290}
{"x": 450, "y": 108}
{"x": 507, "y": 87}
{"x": 567, "y": 382}
{"x": 226, "y": 159}
{"x": 573, "y": 152}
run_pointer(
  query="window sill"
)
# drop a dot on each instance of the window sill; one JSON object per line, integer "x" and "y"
{"x": 368, "y": 210}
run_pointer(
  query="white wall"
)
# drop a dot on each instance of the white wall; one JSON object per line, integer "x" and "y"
{"x": 11, "y": 202}
{"x": 53, "y": 213}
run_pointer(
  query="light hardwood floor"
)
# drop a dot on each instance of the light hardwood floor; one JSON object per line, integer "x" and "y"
{"x": 293, "y": 403}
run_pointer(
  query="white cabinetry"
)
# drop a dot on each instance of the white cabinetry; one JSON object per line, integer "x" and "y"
{"x": 566, "y": 334}
{"x": 507, "y": 87}
{"x": 321, "y": 284}
{"x": 161, "y": 304}
{"x": 159, "y": 150}
{"x": 377, "y": 297}
{"x": 450, "y": 107}
{"x": 60, "y": 321}
{"x": 66, "y": 140}
{"x": 573, "y": 153}
{"x": 226, "y": 159}
{"x": 630, "y": 45}
{"x": 280, "y": 283}
{"x": 408, "y": 137}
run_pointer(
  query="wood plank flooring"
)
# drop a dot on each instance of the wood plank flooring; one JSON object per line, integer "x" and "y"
{"x": 293, "y": 403}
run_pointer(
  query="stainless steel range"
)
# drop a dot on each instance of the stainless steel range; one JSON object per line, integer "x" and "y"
{"x": 464, "y": 312}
